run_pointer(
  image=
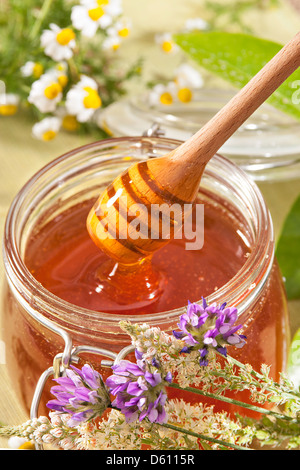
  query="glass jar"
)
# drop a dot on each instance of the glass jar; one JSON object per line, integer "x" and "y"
{"x": 38, "y": 325}
{"x": 266, "y": 146}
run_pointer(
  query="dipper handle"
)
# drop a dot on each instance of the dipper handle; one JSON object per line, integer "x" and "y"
{"x": 186, "y": 163}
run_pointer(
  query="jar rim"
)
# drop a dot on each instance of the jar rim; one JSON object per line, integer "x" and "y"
{"x": 252, "y": 274}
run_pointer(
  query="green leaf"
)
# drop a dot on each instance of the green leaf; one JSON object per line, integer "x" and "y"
{"x": 293, "y": 367}
{"x": 236, "y": 58}
{"x": 288, "y": 251}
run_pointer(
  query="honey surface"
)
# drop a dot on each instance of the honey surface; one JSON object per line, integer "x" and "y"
{"x": 63, "y": 258}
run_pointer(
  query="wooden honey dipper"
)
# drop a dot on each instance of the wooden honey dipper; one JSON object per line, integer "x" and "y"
{"x": 174, "y": 178}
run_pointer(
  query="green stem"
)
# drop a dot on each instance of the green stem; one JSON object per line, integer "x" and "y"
{"x": 203, "y": 437}
{"x": 73, "y": 70}
{"x": 232, "y": 401}
{"x": 39, "y": 21}
{"x": 259, "y": 376}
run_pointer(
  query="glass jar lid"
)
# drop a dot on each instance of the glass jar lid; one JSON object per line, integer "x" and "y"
{"x": 267, "y": 146}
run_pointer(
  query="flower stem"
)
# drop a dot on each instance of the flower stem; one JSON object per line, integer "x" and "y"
{"x": 39, "y": 21}
{"x": 233, "y": 402}
{"x": 258, "y": 376}
{"x": 203, "y": 437}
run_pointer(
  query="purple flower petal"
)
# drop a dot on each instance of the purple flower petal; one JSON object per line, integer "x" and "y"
{"x": 82, "y": 390}
{"x": 142, "y": 396}
{"x": 208, "y": 326}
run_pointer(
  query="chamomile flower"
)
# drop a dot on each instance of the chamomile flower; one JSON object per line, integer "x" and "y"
{"x": 32, "y": 69}
{"x": 61, "y": 66}
{"x": 166, "y": 43}
{"x": 116, "y": 33}
{"x": 20, "y": 443}
{"x": 163, "y": 94}
{"x": 45, "y": 93}
{"x": 121, "y": 28}
{"x": 9, "y": 103}
{"x": 187, "y": 79}
{"x": 60, "y": 75}
{"x": 68, "y": 121}
{"x": 47, "y": 128}
{"x": 186, "y": 75}
{"x": 83, "y": 99}
{"x": 93, "y": 14}
{"x": 58, "y": 43}
{"x": 196, "y": 24}
{"x": 112, "y": 42}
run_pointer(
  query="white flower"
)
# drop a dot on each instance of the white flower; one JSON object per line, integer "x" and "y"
{"x": 166, "y": 42}
{"x": 163, "y": 94}
{"x": 14, "y": 442}
{"x": 47, "y": 128}
{"x": 94, "y": 14}
{"x": 118, "y": 31}
{"x": 196, "y": 24}
{"x": 111, "y": 42}
{"x": 83, "y": 99}
{"x": 61, "y": 66}
{"x": 58, "y": 43}
{"x": 45, "y": 93}
{"x": 120, "y": 28}
{"x": 187, "y": 79}
{"x": 68, "y": 121}
{"x": 186, "y": 75}
{"x": 179, "y": 89}
{"x": 59, "y": 74}
{"x": 32, "y": 69}
{"x": 8, "y": 104}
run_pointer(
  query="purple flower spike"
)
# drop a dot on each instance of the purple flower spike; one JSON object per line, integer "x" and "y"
{"x": 139, "y": 390}
{"x": 204, "y": 327}
{"x": 81, "y": 393}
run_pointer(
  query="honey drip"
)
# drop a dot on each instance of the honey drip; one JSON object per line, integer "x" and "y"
{"x": 136, "y": 285}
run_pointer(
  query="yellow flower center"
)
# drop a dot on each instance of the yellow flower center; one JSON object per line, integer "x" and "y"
{"x": 96, "y": 13}
{"x": 185, "y": 95}
{"x": 92, "y": 99}
{"x": 167, "y": 46}
{"x": 8, "y": 109}
{"x": 49, "y": 135}
{"x": 62, "y": 80}
{"x": 70, "y": 123}
{"x": 52, "y": 91}
{"x": 61, "y": 67}
{"x": 37, "y": 70}
{"x": 166, "y": 98}
{"x": 65, "y": 36}
{"x": 102, "y": 2}
{"x": 27, "y": 446}
{"x": 115, "y": 46}
{"x": 124, "y": 32}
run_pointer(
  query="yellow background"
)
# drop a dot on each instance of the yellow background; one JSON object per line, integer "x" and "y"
{"x": 21, "y": 155}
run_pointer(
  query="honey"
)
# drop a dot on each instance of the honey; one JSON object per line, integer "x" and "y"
{"x": 64, "y": 259}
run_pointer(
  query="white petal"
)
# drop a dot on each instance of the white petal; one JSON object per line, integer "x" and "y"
{"x": 14, "y": 442}
{"x": 47, "y": 37}
{"x": 79, "y": 17}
